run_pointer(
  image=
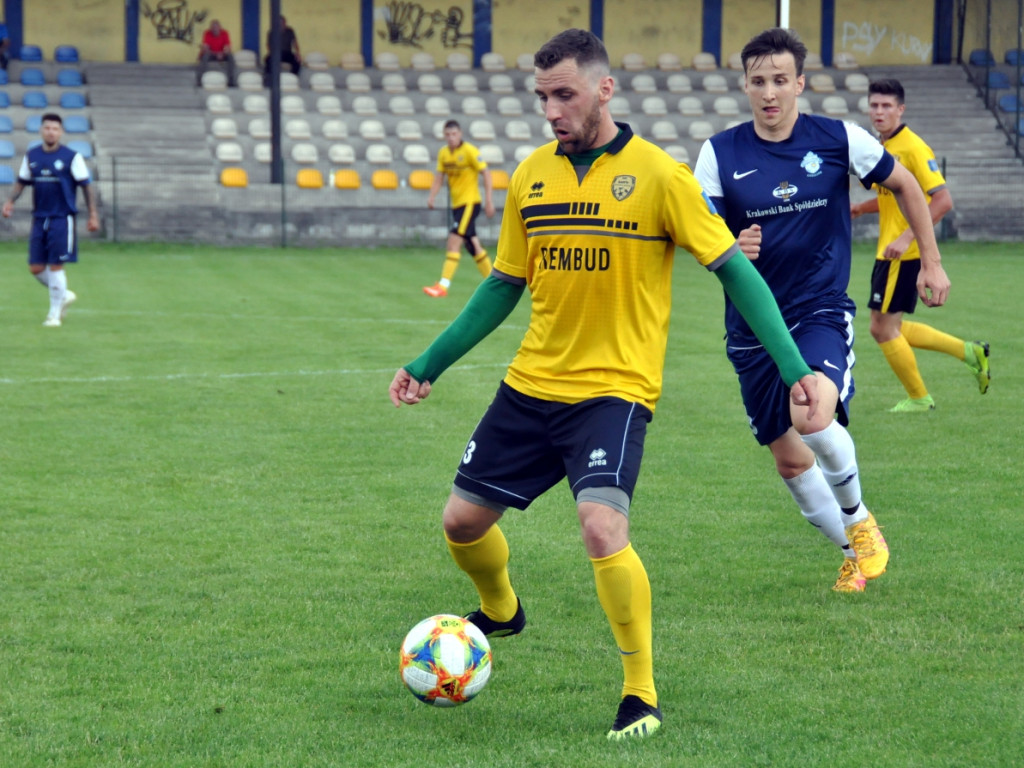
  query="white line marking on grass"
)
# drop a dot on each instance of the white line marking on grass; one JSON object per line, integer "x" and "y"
{"x": 249, "y": 375}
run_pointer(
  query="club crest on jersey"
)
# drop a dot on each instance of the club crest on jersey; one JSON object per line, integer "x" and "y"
{"x": 784, "y": 191}
{"x": 623, "y": 186}
{"x": 812, "y": 164}
{"x": 58, "y": 164}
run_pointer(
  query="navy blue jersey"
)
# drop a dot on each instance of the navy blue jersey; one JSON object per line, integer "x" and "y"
{"x": 55, "y": 178}
{"x": 798, "y": 191}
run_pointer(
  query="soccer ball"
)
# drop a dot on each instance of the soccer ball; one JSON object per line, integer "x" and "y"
{"x": 445, "y": 660}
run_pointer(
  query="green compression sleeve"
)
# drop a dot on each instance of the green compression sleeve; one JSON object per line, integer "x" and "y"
{"x": 489, "y": 305}
{"x": 754, "y": 300}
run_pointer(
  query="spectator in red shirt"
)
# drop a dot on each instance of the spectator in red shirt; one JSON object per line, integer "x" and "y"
{"x": 216, "y": 46}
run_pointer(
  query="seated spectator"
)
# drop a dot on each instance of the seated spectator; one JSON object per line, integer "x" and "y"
{"x": 216, "y": 46}
{"x": 290, "y": 53}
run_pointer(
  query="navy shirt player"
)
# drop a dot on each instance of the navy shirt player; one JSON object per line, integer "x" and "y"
{"x": 55, "y": 172}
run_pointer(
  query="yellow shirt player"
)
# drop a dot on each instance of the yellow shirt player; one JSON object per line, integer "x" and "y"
{"x": 897, "y": 264}
{"x": 460, "y": 163}
{"x": 590, "y": 228}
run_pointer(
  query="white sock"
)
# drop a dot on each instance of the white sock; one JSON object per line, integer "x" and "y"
{"x": 818, "y": 506}
{"x": 838, "y": 458}
{"x": 43, "y": 277}
{"x": 58, "y": 289}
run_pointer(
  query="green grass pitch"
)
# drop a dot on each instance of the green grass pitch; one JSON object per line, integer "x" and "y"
{"x": 215, "y": 531}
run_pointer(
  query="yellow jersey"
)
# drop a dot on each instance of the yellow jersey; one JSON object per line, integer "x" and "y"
{"x": 918, "y": 158}
{"x": 597, "y": 258}
{"x": 462, "y": 166}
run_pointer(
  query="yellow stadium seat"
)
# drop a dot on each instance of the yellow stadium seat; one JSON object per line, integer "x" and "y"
{"x": 346, "y": 178}
{"x": 234, "y": 177}
{"x": 309, "y": 178}
{"x": 384, "y": 179}
{"x": 422, "y": 179}
{"x": 499, "y": 178}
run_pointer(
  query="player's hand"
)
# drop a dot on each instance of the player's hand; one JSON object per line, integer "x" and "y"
{"x": 854, "y": 210}
{"x": 430, "y": 203}
{"x": 894, "y": 251}
{"x": 405, "y": 389}
{"x": 750, "y": 241}
{"x": 805, "y": 392}
{"x": 7, "y": 209}
{"x": 93, "y": 224}
{"x": 933, "y": 285}
{"x": 489, "y": 210}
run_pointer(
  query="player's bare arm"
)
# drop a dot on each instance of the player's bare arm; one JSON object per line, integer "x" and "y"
{"x": 863, "y": 208}
{"x": 405, "y": 389}
{"x": 93, "y": 224}
{"x": 15, "y": 194}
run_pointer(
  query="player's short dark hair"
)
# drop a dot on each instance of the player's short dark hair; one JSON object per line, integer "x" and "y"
{"x": 889, "y": 86}
{"x": 51, "y": 117}
{"x": 774, "y": 41}
{"x": 584, "y": 47}
{"x": 452, "y": 124}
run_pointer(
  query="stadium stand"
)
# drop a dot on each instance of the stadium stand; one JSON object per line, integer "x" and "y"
{"x": 234, "y": 177}
{"x": 351, "y": 60}
{"x": 6, "y": 149}
{"x": 6, "y": 174}
{"x": 309, "y": 178}
{"x": 669, "y": 62}
{"x": 65, "y": 54}
{"x": 421, "y": 179}
{"x": 346, "y": 178}
{"x": 6, "y": 124}
{"x": 384, "y": 179}
{"x": 423, "y": 61}
{"x": 29, "y": 52}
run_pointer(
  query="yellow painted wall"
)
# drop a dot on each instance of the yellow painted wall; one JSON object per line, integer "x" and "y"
{"x": 741, "y": 20}
{"x": 805, "y": 20}
{"x": 95, "y": 27}
{"x": 330, "y": 28}
{"x": 523, "y": 26}
{"x": 438, "y": 27}
{"x": 170, "y": 31}
{"x": 885, "y": 33}
{"x": 651, "y": 27}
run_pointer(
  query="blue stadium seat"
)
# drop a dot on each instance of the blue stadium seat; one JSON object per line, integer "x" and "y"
{"x": 76, "y": 124}
{"x": 981, "y": 57}
{"x": 997, "y": 80}
{"x": 6, "y": 125}
{"x": 1008, "y": 103}
{"x": 5, "y": 100}
{"x": 33, "y": 123}
{"x": 32, "y": 76}
{"x": 34, "y": 100}
{"x": 65, "y": 54}
{"x": 69, "y": 78}
{"x": 6, "y": 148}
{"x": 4, "y": 79}
{"x": 1014, "y": 56}
{"x": 72, "y": 100}
{"x": 31, "y": 53}
{"x": 1020, "y": 127}
{"x": 84, "y": 148}
{"x": 6, "y": 174}
{"x": 33, "y": 144}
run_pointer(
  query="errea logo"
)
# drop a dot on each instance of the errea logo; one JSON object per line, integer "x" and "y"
{"x": 536, "y": 190}
{"x": 597, "y": 458}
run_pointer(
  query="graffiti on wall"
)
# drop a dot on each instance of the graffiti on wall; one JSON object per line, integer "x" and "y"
{"x": 173, "y": 20}
{"x": 867, "y": 37}
{"x": 411, "y": 24}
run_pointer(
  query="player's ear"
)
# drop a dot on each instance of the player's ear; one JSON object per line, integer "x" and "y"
{"x": 801, "y": 81}
{"x": 606, "y": 89}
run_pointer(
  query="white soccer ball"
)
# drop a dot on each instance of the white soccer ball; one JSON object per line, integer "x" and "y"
{"x": 445, "y": 660}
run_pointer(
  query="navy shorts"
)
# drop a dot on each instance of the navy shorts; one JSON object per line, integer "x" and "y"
{"x": 53, "y": 241}
{"x": 465, "y": 220}
{"x": 524, "y": 446}
{"x": 825, "y": 340}
{"x": 894, "y": 286}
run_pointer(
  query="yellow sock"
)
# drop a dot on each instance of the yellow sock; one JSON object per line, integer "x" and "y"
{"x": 625, "y": 595}
{"x": 485, "y": 561}
{"x": 900, "y": 356}
{"x": 483, "y": 263}
{"x": 451, "y": 263}
{"x": 921, "y": 336}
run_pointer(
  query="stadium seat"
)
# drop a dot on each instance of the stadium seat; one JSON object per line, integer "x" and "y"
{"x": 358, "y": 82}
{"x": 245, "y": 60}
{"x": 372, "y": 130}
{"x": 863, "y": 105}
{"x": 499, "y": 178}
{"x": 690, "y": 106}
{"x": 735, "y": 61}
{"x": 321, "y": 82}
{"x": 250, "y": 81}
{"x": 69, "y": 78}
{"x": 34, "y": 100}
{"x": 653, "y": 106}
{"x": 364, "y": 106}
{"x": 422, "y": 61}
{"x": 347, "y": 178}
{"x": 290, "y": 82}
{"x": 409, "y": 130}
{"x": 259, "y": 128}
{"x": 700, "y": 130}
{"x": 341, "y": 154}
{"x": 76, "y": 124}
{"x": 459, "y": 62}
{"x": 430, "y": 84}
{"x": 474, "y": 106}
{"x": 501, "y": 84}
{"x": 822, "y": 82}
{"x": 492, "y": 154}
{"x": 316, "y": 61}
{"x": 523, "y": 151}
{"x": 387, "y": 61}
{"x": 678, "y": 83}
{"x": 619, "y": 106}
{"x": 416, "y": 154}
{"x": 678, "y": 152}
{"x": 1013, "y": 56}
{"x": 704, "y": 61}
{"x": 229, "y": 152}
{"x": 6, "y": 124}
{"x": 263, "y": 152}
{"x": 401, "y": 106}
{"x": 845, "y": 60}
{"x": 33, "y": 123}
{"x": 393, "y": 82}
{"x": 305, "y": 153}
{"x": 30, "y": 53}
{"x": 65, "y": 54}
{"x": 524, "y": 62}
{"x": 72, "y": 100}
{"x": 3, "y": 77}
{"x": 998, "y": 80}
{"x": 668, "y": 62}
{"x": 334, "y": 130}
{"x": 422, "y": 179}
{"x": 510, "y": 106}
{"x": 492, "y": 62}
{"x": 32, "y": 77}
{"x": 726, "y": 106}
{"x": 803, "y": 105}
{"x": 298, "y": 129}
{"x": 438, "y": 129}
{"x": 6, "y": 174}
{"x": 222, "y": 128}
{"x": 464, "y": 82}
{"x": 6, "y": 149}
{"x": 518, "y": 130}
{"x": 482, "y": 130}
{"x": 634, "y": 62}
{"x": 856, "y": 82}
{"x": 384, "y": 179}
{"x": 309, "y": 178}
{"x": 835, "y": 106}
{"x": 292, "y": 104}
{"x": 214, "y": 80}
{"x": 234, "y": 177}
{"x": 715, "y": 83}
{"x": 813, "y": 62}
{"x": 643, "y": 83}
{"x": 84, "y": 148}
{"x": 664, "y": 130}
{"x": 1008, "y": 103}
{"x": 352, "y": 60}
{"x": 218, "y": 104}
{"x": 328, "y": 106}
{"x": 379, "y": 154}
{"x": 255, "y": 104}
